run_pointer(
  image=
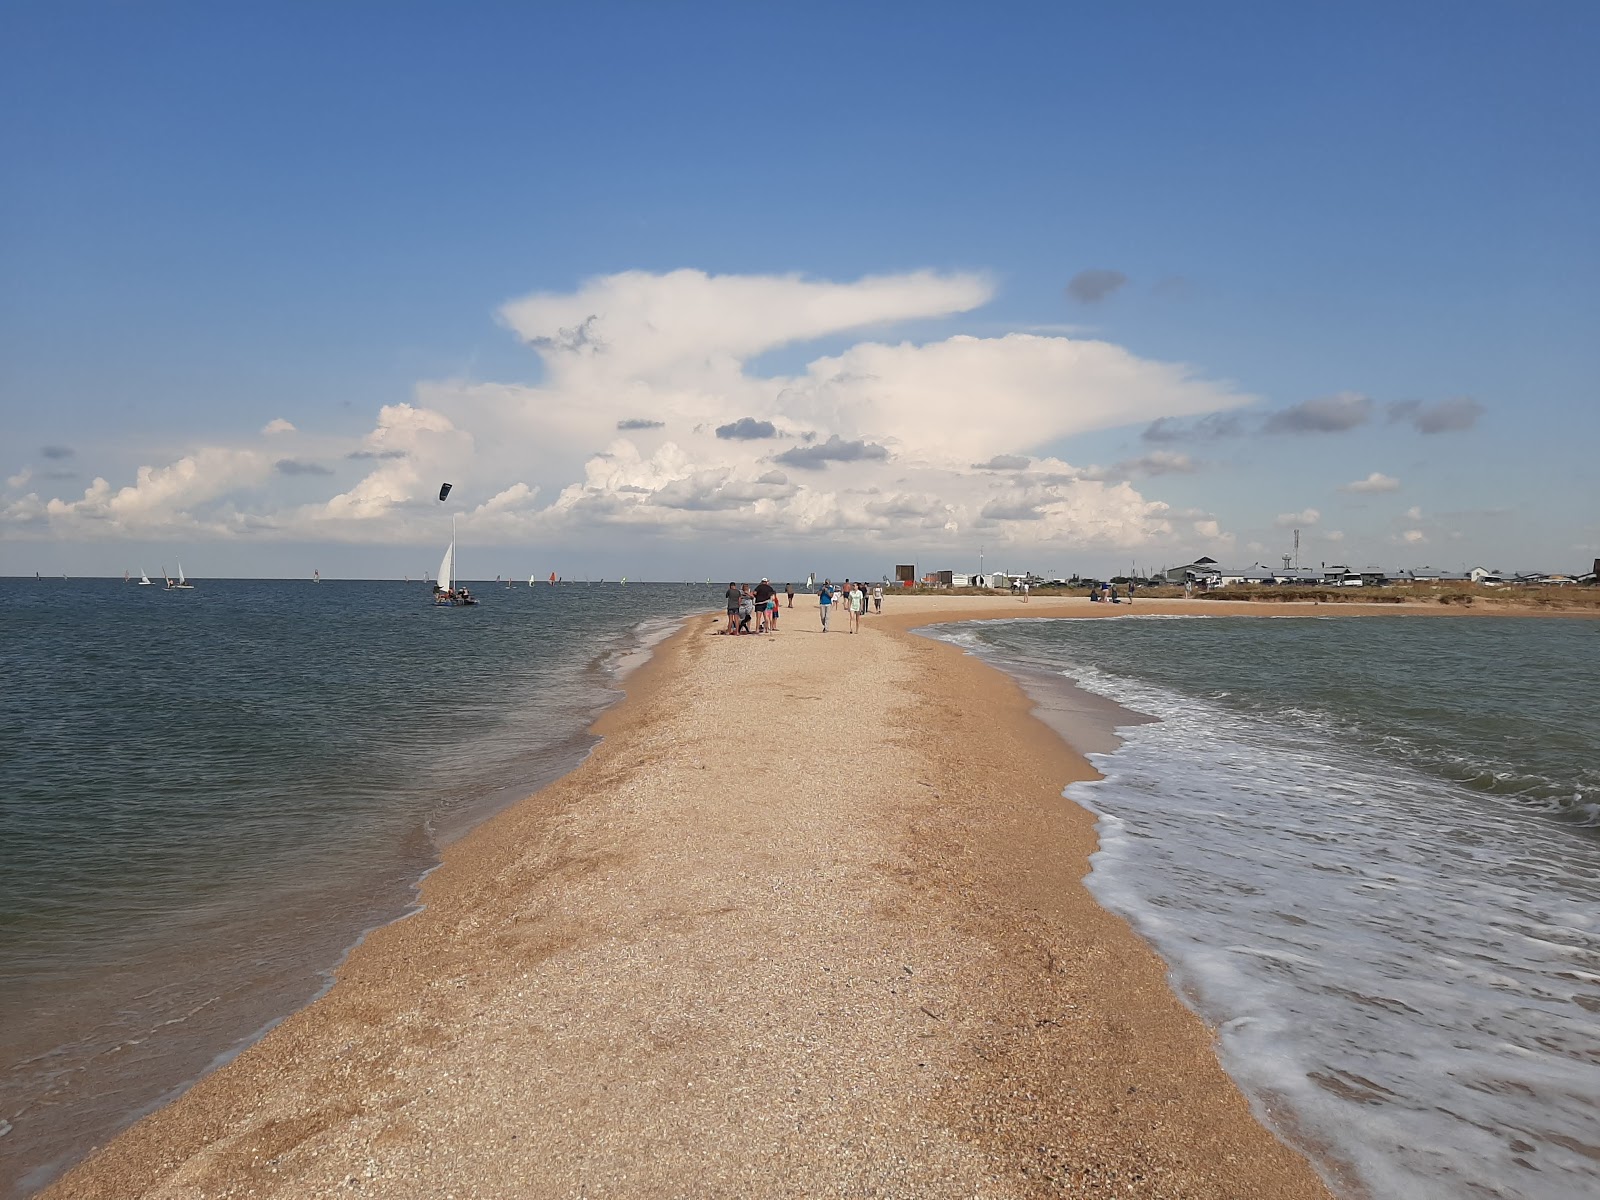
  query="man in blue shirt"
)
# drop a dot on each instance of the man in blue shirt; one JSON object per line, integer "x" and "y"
{"x": 825, "y": 602}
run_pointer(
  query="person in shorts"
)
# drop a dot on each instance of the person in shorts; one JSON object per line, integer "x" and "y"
{"x": 733, "y": 608}
{"x": 765, "y": 602}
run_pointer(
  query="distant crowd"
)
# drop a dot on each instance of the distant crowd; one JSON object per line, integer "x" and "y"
{"x": 755, "y": 610}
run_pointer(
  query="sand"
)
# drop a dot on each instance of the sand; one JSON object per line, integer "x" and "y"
{"x": 809, "y": 921}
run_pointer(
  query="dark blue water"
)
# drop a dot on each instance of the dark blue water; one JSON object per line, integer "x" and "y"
{"x": 1369, "y": 850}
{"x": 206, "y": 796}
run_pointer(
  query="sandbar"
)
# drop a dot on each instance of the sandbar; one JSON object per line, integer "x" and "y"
{"x": 808, "y": 921}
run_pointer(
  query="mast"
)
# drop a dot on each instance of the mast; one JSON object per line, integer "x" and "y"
{"x": 455, "y": 571}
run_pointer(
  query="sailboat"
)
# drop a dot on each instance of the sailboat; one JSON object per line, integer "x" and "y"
{"x": 532, "y": 579}
{"x": 316, "y": 575}
{"x": 183, "y": 585}
{"x": 445, "y": 592}
{"x": 144, "y": 580}
{"x": 552, "y": 577}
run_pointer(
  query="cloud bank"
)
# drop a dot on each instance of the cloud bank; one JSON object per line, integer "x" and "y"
{"x": 880, "y": 438}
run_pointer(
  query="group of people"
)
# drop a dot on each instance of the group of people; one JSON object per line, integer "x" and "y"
{"x": 1102, "y": 592}
{"x": 855, "y": 599}
{"x": 755, "y": 609}
{"x": 757, "y": 606}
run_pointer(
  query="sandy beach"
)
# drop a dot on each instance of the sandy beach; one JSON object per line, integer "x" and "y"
{"x": 809, "y": 921}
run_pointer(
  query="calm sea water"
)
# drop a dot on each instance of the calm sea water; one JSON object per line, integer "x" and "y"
{"x": 207, "y": 796}
{"x": 1369, "y": 850}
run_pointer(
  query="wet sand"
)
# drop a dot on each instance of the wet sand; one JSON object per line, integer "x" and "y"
{"x": 809, "y": 921}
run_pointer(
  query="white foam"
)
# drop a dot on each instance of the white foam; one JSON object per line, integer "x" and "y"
{"x": 1405, "y": 986}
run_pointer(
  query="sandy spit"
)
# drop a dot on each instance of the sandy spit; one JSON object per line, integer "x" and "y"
{"x": 809, "y": 922}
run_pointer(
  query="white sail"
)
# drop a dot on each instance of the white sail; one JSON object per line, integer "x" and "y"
{"x": 446, "y": 578}
{"x": 181, "y": 579}
{"x": 144, "y": 579}
{"x": 530, "y": 580}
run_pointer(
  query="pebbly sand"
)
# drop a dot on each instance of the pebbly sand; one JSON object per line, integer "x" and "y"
{"x": 809, "y": 921}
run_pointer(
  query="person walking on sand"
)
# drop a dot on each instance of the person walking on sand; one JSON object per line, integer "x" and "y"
{"x": 857, "y": 603}
{"x": 1024, "y": 591}
{"x": 825, "y": 603}
{"x": 788, "y": 590}
{"x": 877, "y": 598}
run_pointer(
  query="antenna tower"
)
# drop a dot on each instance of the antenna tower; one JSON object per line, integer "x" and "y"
{"x": 1296, "y": 550}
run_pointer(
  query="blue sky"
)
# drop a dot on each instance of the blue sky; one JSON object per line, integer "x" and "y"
{"x": 216, "y": 217}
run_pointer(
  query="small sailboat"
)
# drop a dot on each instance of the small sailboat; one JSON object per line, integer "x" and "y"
{"x": 316, "y": 575}
{"x": 127, "y": 578}
{"x": 445, "y": 592}
{"x": 552, "y": 577}
{"x": 144, "y": 580}
{"x": 183, "y": 585}
{"x": 532, "y": 579}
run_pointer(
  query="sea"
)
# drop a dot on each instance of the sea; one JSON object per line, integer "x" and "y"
{"x": 1368, "y": 850}
{"x": 208, "y": 797}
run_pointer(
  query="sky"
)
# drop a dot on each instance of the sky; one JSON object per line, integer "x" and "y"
{"x": 728, "y": 290}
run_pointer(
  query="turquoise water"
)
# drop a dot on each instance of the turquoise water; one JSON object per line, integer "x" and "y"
{"x": 1369, "y": 850}
{"x": 206, "y": 797}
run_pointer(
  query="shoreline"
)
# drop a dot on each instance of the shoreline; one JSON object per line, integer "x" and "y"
{"x": 315, "y": 970}
{"x": 1012, "y": 874}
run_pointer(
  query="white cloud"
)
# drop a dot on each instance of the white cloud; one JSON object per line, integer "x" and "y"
{"x": 1333, "y": 535}
{"x": 1413, "y": 537}
{"x": 1376, "y": 482}
{"x": 1414, "y": 513}
{"x": 1309, "y": 516}
{"x": 20, "y": 479}
{"x": 879, "y": 439}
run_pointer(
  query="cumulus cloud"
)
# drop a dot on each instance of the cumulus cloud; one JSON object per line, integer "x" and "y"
{"x": 1375, "y": 482}
{"x": 1413, "y": 537}
{"x": 746, "y": 429}
{"x": 1333, "y": 535}
{"x": 1326, "y": 414}
{"x": 57, "y": 452}
{"x": 904, "y": 420}
{"x": 295, "y": 466}
{"x": 652, "y": 323}
{"x": 1308, "y": 516}
{"x": 277, "y": 425}
{"x": 1446, "y": 416}
{"x": 1095, "y": 284}
{"x": 166, "y": 497}
{"x": 835, "y": 449}
{"x": 20, "y": 479}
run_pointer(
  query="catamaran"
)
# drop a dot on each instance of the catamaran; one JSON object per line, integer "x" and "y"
{"x": 445, "y": 592}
